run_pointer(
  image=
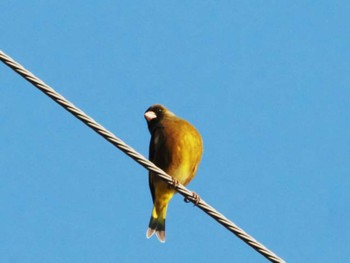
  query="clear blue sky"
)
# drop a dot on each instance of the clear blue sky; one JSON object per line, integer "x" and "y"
{"x": 267, "y": 83}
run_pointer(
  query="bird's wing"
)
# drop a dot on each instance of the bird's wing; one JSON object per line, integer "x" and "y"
{"x": 151, "y": 158}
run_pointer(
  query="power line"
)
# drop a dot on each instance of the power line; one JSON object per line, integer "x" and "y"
{"x": 138, "y": 157}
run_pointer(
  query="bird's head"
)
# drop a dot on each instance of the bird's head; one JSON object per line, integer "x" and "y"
{"x": 155, "y": 114}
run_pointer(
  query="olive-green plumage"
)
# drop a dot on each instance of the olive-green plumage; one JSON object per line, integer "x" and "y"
{"x": 176, "y": 147}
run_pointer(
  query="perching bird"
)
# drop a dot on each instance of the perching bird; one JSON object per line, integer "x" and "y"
{"x": 176, "y": 147}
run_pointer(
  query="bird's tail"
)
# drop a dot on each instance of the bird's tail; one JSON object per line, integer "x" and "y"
{"x": 157, "y": 224}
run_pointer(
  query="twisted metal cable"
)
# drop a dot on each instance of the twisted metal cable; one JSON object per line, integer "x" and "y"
{"x": 138, "y": 158}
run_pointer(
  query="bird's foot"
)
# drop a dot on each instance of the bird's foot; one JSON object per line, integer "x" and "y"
{"x": 174, "y": 184}
{"x": 196, "y": 198}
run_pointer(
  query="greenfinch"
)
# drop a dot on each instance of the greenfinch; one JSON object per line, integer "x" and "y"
{"x": 176, "y": 147}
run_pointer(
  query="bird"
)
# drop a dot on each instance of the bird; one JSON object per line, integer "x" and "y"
{"x": 176, "y": 147}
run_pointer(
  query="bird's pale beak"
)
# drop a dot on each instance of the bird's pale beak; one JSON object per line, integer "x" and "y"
{"x": 150, "y": 115}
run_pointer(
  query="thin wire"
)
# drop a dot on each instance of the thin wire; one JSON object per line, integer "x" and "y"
{"x": 138, "y": 157}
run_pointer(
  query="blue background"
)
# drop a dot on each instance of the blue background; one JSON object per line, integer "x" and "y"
{"x": 265, "y": 82}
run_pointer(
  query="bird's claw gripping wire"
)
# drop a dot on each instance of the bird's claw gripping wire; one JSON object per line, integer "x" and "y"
{"x": 174, "y": 183}
{"x": 196, "y": 198}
